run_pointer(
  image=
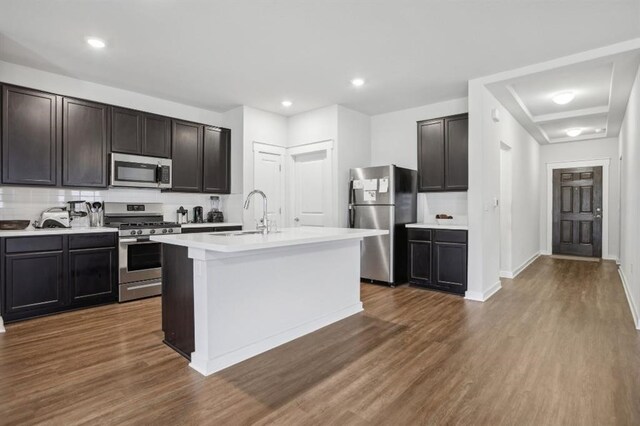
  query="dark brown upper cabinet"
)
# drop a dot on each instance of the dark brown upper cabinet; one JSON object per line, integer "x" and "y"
{"x": 126, "y": 131}
{"x": 216, "y": 160}
{"x": 136, "y": 132}
{"x": 85, "y": 142}
{"x": 187, "y": 140}
{"x": 156, "y": 136}
{"x": 443, "y": 145}
{"x": 31, "y": 124}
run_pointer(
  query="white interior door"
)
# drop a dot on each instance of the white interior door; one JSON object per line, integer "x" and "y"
{"x": 268, "y": 177}
{"x": 311, "y": 186}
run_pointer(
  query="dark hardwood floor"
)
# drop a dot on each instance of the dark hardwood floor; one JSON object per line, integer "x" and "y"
{"x": 556, "y": 346}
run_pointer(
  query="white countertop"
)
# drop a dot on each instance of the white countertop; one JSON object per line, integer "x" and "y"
{"x": 209, "y": 225}
{"x": 284, "y": 238}
{"x": 31, "y": 231}
{"x": 434, "y": 225}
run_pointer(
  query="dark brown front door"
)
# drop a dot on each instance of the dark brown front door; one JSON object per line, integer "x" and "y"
{"x": 577, "y": 211}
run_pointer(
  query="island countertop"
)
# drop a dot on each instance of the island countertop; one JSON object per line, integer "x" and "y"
{"x": 283, "y": 238}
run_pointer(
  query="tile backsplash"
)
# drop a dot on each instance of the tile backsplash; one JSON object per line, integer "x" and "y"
{"x": 433, "y": 203}
{"x": 29, "y": 202}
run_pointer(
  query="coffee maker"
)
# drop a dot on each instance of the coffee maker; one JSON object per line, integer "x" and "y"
{"x": 197, "y": 214}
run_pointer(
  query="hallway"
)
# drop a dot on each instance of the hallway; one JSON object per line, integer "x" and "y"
{"x": 555, "y": 346}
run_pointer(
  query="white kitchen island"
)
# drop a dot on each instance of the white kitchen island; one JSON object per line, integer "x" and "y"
{"x": 253, "y": 292}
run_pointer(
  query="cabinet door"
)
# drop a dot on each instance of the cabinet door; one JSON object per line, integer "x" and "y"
{"x": 85, "y": 143}
{"x": 126, "y": 131}
{"x": 33, "y": 284}
{"x": 450, "y": 262}
{"x": 457, "y": 148}
{"x": 186, "y": 156}
{"x": 420, "y": 266}
{"x": 92, "y": 276}
{"x": 216, "y": 160}
{"x": 156, "y": 136}
{"x": 30, "y": 128}
{"x": 431, "y": 154}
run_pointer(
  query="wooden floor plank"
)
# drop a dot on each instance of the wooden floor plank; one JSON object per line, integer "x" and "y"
{"x": 555, "y": 346}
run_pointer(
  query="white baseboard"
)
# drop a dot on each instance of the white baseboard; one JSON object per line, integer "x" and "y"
{"x": 611, "y": 258}
{"x": 632, "y": 305}
{"x": 506, "y": 274}
{"x": 2, "y": 329}
{"x": 514, "y": 273}
{"x": 485, "y": 295}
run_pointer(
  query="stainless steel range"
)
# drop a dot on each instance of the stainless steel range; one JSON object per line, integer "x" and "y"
{"x": 140, "y": 260}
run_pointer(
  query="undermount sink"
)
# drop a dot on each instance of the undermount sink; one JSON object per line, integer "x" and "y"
{"x": 240, "y": 233}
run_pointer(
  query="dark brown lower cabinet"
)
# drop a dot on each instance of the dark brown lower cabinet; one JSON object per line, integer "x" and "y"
{"x": 33, "y": 284}
{"x": 177, "y": 299}
{"x": 92, "y": 276}
{"x": 438, "y": 259}
{"x": 210, "y": 229}
{"x": 47, "y": 274}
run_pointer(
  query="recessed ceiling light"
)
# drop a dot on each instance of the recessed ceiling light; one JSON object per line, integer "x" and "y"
{"x": 357, "y": 82}
{"x": 96, "y": 43}
{"x": 574, "y": 132}
{"x": 563, "y": 98}
{"x": 287, "y": 104}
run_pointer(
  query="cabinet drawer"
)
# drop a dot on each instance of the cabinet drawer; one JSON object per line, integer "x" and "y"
{"x": 83, "y": 241}
{"x": 451, "y": 236}
{"x": 33, "y": 244}
{"x": 419, "y": 234}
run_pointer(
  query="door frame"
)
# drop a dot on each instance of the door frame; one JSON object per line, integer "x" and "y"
{"x": 320, "y": 146}
{"x": 268, "y": 148}
{"x": 601, "y": 162}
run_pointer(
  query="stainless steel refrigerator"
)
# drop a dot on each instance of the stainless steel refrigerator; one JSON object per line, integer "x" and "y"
{"x": 383, "y": 197}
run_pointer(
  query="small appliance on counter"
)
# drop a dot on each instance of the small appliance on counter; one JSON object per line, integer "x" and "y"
{"x": 79, "y": 213}
{"x": 197, "y": 214}
{"x": 215, "y": 215}
{"x": 182, "y": 215}
{"x": 55, "y": 217}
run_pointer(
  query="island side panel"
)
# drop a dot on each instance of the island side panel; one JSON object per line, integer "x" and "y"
{"x": 247, "y": 303}
{"x": 177, "y": 299}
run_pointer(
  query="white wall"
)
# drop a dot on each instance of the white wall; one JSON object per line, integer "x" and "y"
{"x": 596, "y": 149}
{"x": 485, "y": 137}
{"x": 314, "y": 126}
{"x": 354, "y": 150}
{"x": 264, "y": 127}
{"x": 29, "y": 202}
{"x": 394, "y": 141}
{"x": 630, "y": 201}
{"x": 525, "y": 181}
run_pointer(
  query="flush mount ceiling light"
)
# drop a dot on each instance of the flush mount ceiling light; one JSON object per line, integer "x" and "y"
{"x": 357, "y": 82}
{"x": 563, "y": 98}
{"x": 573, "y": 132}
{"x": 96, "y": 43}
{"x": 287, "y": 104}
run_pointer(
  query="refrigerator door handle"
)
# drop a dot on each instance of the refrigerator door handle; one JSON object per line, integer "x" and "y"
{"x": 352, "y": 215}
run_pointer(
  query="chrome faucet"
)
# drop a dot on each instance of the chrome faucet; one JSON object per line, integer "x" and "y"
{"x": 264, "y": 225}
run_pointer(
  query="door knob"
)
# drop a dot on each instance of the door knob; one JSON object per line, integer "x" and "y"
{"x": 598, "y": 216}
{"x": 296, "y": 219}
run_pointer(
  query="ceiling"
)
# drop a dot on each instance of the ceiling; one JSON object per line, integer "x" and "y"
{"x": 221, "y": 54}
{"x": 601, "y": 90}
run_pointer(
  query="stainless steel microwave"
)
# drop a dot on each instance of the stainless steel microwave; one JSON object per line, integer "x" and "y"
{"x": 140, "y": 171}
